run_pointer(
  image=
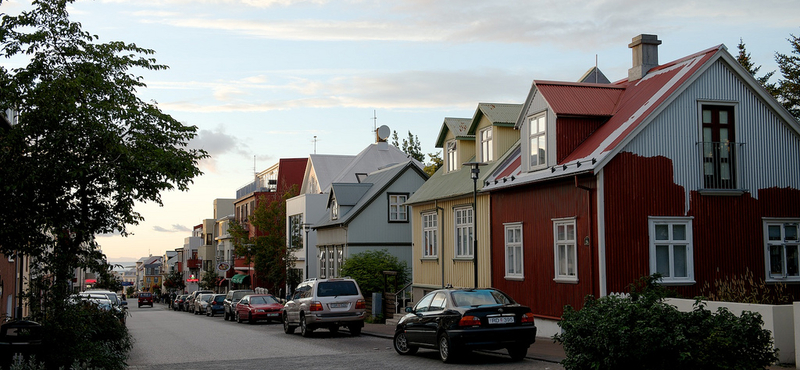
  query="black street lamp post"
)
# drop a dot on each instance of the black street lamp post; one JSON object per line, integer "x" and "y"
{"x": 306, "y": 228}
{"x": 474, "y": 172}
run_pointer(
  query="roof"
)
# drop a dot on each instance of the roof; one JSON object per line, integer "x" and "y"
{"x": 580, "y": 99}
{"x": 373, "y": 158}
{"x": 290, "y": 172}
{"x": 458, "y": 126}
{"x": 328, "y": 166}
{"x": 497, "y": 114}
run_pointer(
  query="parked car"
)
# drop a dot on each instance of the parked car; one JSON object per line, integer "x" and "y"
{"x": 189, "y": 303}
{"x": 256, "y": 307}
{"x": 201, "y": 303}
{"x": 457, "y": 320}
{"x": 101, "y": 302}
{"x": 325, "y": 303}
{"x": 112, "y": 296}
{"x": 216, "y": 305}
{"x": 231, "y": 299}
{"x": 180, "y": 300}
{"x": 145, "y": 298}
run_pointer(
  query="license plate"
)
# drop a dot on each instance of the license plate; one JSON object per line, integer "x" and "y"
{"x": 272, "y": 314}
{"x": 501, "y": 320}
{"x": 337, "y": 305}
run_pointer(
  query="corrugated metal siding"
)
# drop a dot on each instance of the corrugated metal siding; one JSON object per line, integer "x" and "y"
{"x": 535, "y": 207}
{"x": 505, "y": 138}
{"x": 572, "y": 131}
{"x": 457, "y": 273}
{"x": 575, "y": 99}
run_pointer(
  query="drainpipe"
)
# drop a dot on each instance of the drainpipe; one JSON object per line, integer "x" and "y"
{"x": 588, "y": 240}
{"x": 439, "y": 228}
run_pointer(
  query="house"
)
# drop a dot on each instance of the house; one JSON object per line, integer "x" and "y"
{"x": 310, "y": 206}
{"x": 368, "y": 215}
{"x": 443, "y": 220}
{"x": 688, "y": 169}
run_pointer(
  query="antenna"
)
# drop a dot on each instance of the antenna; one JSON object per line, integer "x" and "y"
{"x": 374, "y": 121}
{"x": 596, "y": 72}
{"x": 315, "y": 143}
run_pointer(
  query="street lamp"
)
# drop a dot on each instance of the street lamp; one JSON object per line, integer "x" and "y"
{"x": 306, "y": 228}
{"x": 474, "y": 172}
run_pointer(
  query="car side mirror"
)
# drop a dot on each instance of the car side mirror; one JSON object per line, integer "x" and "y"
{"x": 409, "y": 309}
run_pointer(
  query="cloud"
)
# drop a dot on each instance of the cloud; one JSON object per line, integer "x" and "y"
{"x": 175, "y": 229}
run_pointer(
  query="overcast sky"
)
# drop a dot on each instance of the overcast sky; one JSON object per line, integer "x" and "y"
{"x": 260, "y": 78}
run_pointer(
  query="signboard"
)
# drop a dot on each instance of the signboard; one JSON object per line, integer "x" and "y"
{"x": 223, "y": 266}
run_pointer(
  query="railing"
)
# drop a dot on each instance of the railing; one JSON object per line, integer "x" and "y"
{"x": 257, "y": 185}
{"x": 193, "y": 263}
{"x": 401, "y": 302}
{"x": 718, "y": 165}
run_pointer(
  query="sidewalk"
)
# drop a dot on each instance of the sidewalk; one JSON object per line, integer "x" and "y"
{"x": 543, "y": 350}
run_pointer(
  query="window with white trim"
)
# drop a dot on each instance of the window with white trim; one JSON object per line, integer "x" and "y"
{"x": 429, "y": 235}
{"x": 514, "y": 257}
{"x": 464, "y": 232}
{"x": 671, "y": 249}
{"x": 537, "y": 143}
{"x": 486, "y": 150}
{"x": 450, "y": 148}
{"x": 782, "y": 249}
{"x": 566, "y": 253}
{"x": 398, "y": 212}
{"x": 334, "y": 209}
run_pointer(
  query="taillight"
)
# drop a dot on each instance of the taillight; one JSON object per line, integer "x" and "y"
{"x": 527, "y": 317}
{"x": 469, "y": 321}
{"x": 315, "y": 306}
{"x": 360, "y": 305}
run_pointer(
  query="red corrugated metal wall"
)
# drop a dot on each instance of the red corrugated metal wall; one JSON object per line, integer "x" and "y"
{"x": 536, "y": 206}
{"x": 572, "y": 131}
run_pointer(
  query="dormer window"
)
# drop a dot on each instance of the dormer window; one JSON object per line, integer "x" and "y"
{"x": 452, "y": 163}
{"x": 486, "y": 149}
{"x": 334, "y": 209}
{"x": 537, "y": 126}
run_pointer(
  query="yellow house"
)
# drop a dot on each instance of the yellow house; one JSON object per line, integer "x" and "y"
{"x": 442, "y": 212}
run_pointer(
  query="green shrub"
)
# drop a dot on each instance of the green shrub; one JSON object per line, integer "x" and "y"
{"x": 367, "y": 267}
{"x": 641, "y": 331}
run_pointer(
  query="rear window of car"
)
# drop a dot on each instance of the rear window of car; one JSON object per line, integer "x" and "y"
{"x": 145, "y": 295}
{"x": 480, "y": 298}
{"x": 240, "y": 295}
{"x": 219, "y": 298}
{"x": 336, "y": 288}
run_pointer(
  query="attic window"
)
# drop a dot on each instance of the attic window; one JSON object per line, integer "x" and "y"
{"x": 486, "y": 154}
{"x": 334, "y": 209}
{"x": 452, "y": 163}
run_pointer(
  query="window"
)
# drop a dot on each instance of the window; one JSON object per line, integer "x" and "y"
{"x": 538, "y": 141}
{"x": 323, "y": 268}
{"x": 718, "y": 147}
{"x": 424, "y": 303}
{"x": 671, "y": 249}
{"x": 313, "y": 187}
{"x": 486, "y": 152}
{"x": 451, "y": 156}
{"x": 566, "y": 250}
{"x": 334, "y": 209}
{"x": 464, "y": 232}
{"x": 513, "y": 250}
{"x": 438, "y": 303}
{"x": 782, "y": 244}
{"x": 398, "y": 212}
{"x": 429, "y": 235}
{"x": 295, "y": 237}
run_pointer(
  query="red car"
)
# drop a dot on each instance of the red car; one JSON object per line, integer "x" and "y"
{"x": 145, "y": 299}
{"x": 256, "y": 307}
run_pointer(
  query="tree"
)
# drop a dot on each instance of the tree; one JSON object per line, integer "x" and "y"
{"x": 367, "y": 268}
{"x": 744, "y": 59}
{"x": 435, "y": 163}
{"x": 210, "y": 278}
{"x": 410, "y": 146}
{"x": 789, "y": 85}
{"x": 85, "y": 148}
{"x": 174, "y": 281}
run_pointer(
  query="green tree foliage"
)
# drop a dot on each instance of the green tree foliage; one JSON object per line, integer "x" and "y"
{"x": 410, "y": 146}
{"x": 85, "y": 148}
{"x": 789, "y": 84}
{"x": 744, "y": 59}
{"x": 641, "y": 331}
{"x": 367, "y": 267}
{"x": 210, "y": 278}
{"x": 435, "y": 163}
{"x": 174, "y": 282}
{"x": 106, "y": 280}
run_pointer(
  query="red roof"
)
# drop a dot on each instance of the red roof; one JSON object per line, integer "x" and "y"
{"x": 580, "y": 99}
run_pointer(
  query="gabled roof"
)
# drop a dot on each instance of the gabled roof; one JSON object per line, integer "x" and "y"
{"x": 458, "y": 126}
{"x": 373, "y": 158}
{"x": 326, "y": 167}
{"x": 290, "y": 172}
{"x": 630, "y": 105}
{"x": 497, "y": 114}
{"x": 366, "y": 192}
{"x": 594, "y": 75}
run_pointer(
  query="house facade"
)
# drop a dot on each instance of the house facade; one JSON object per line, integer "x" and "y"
{"x": 687, "y": 169}
{"x": 443, "y": 231}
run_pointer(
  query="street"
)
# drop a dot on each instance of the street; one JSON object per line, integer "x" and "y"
{"x": 166, "y": 339}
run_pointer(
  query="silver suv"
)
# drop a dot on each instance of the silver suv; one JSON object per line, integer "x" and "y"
{"x": 325, "y": 303}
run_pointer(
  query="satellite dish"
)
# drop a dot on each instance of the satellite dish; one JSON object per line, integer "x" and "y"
{"x": 383, "y": 133}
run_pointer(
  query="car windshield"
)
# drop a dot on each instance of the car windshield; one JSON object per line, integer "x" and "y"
{"x": 206, "y": 297}
{"x": 336, "y": 288}
{"x": 263, "y": 300}
{"x": 471, "y": 298}
{"x": 219, "y": 298}
{"x": 240, "y": 295}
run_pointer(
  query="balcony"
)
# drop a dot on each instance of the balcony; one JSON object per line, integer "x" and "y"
{"x": 194, "y": 263}
{"x": 260, "y": 185}
{"x": 719, "y": 166}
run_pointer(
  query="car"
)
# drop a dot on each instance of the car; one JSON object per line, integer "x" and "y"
{"x": 201, "y": 303}
{"x": 188, "y": 305}
{"x": 458, "y": 320}
{"x": 145, "y": 298}
{"x": 216, "y": 305}
{"x": 256, "y": 307}
{"x": 177, "y": 302}
{"x": 325, "y": 303}
{"x": 101, "y": 302}
{"x": 112, "y": 296}
{"x": 231, "y": 298}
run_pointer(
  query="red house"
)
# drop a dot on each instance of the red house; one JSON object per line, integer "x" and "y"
{"x": 689, "y": 169}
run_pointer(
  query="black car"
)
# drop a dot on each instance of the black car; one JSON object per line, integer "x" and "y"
{"x": 456, "y": 320}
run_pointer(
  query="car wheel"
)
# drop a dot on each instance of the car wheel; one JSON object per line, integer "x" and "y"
{"x": 518, "y": 353}
{"x": 140, "y": 306}
{"x": 446, "y": 350}
{"x": 304, "y": 329}
{"x": 238, "y": 318}
{"x": 288, "y": 329}
{"x": 401, "y": 344}
{"x": 333, "y": 329}
{"x": 355, "y": 329}
{"x": 250, "y": 320}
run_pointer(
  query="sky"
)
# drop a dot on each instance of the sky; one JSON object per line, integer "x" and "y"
{"x": 260, "y": 79}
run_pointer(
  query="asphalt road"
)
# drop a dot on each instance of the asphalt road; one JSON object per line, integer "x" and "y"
{"x": 165, "y": 339}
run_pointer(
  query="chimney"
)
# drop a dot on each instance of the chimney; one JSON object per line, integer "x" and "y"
{"x": 645, "y": 55}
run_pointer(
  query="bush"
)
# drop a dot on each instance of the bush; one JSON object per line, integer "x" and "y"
{"x": 367, "y": 267}
{"x": 640, "y": 331}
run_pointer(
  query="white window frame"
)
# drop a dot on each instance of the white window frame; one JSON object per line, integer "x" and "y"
{"x": 430, "y": 237}
{"x": 334, "y": 209}
{"x": 786, "y": 244}
{"x": 486, "y": 145}
{"x": 514, "y": 251}
{"x": 397, "y": 211}
{"x": 566, "y": 267}
{"x": 671, "y": 243}
{"x": 534, "y": 134}
{"x": 451, "y": 155}
{"x": 464, "y": 233}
